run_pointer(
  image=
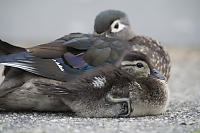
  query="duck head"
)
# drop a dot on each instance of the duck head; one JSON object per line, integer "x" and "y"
{"x": 113, "y": 24}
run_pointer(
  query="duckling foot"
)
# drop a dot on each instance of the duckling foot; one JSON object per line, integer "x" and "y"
{"x": 126, "y": 104}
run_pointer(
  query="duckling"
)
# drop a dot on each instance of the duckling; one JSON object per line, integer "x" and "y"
{"x": 134, "y": 88}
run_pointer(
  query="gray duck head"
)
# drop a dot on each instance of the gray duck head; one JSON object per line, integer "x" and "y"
{"x": 113, "y": 24}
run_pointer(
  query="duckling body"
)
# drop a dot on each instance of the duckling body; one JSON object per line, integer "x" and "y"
{"x": 151, "y": 101}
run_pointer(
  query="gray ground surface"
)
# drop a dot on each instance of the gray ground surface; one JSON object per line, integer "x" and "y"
{"x": 182, "y": 116}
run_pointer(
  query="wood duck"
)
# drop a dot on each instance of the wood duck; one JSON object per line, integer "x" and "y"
{"x": 115, "y": 24}
{"x": 131, "y": 88}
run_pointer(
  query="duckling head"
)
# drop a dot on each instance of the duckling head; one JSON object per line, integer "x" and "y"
{"x": 140, "y": 69}
{"x": 138, "y": 65}
{"x": 137, "y": 68}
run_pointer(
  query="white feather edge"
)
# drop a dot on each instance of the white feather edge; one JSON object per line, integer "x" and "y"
{"x": 20, "y": 65}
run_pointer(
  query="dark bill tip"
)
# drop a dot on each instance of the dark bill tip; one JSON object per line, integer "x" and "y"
{"x": 156, "y": 74}
{"x": 29, "y": 50}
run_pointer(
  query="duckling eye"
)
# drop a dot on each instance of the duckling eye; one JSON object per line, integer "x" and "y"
{"x": 139, "y": 65}
{"x": 116, "y": 26}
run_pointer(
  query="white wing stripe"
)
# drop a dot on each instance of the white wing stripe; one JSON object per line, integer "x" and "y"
{"x": 59, "y": 66}
{"x": 19, "y": 65}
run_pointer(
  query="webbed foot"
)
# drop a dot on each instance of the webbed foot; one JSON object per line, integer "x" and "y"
{"x": 126, "y": 104}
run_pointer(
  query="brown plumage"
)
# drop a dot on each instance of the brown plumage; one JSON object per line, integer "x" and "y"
{"x": 155, "y": 51}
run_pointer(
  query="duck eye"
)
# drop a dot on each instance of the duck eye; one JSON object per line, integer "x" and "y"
{"x": 139, "y": 65}
{"x": 116, "y": 26}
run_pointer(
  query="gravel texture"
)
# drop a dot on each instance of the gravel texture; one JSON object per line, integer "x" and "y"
{"x": 182, "y": 116}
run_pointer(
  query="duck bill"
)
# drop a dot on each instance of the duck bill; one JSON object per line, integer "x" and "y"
{"x": 156, "y": 74}
{"x": 105, "y": 34}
